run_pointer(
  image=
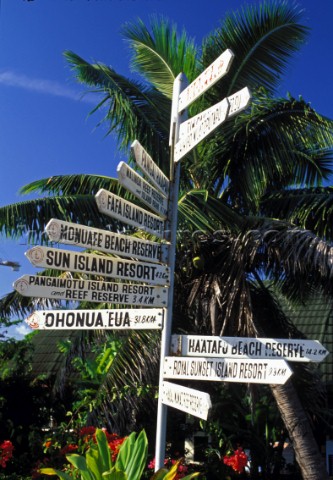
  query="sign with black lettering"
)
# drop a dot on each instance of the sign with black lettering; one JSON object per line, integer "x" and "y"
{"x": 200, "y": 126}
{"x": 105, "y": 241}
{"x": 58, "y": 259}
{"x": 149, "y": 195}
{"x": 243, "y": 347}
{"x": 95, "y": 291}
{"x": 127, "y": 212}
{"x": 227, "y": 370}
{"x": 134, "y": 319}
{"x": 187, "y": 400}
{"x": 236, "y": 103}
{"x": 149, "y": 168}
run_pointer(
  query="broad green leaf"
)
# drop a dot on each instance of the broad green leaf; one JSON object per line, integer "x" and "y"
{"x": 104, "y": 450}
{"x": 138, "y": 458}
{"x": 115, "y": 474}
{"x": 80, "y": 463}
{"x": 52, "y": 471}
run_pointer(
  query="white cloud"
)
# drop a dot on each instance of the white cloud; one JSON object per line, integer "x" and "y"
{"x": 22, "y": 329}
{"x": 48, "y": 87}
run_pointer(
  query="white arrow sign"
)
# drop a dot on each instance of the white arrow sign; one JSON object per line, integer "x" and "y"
{"x": 243, "y": 347}
{"x": 104, "y": 241}
{"x": 200, "y": 126}
{"x": 206, "y": 79}
{"x": 227, "y": 370}
{"x": 149, "y": 168}
{"x": 237, "y": 102}
{"x": 124, "y": 211}
{"x": 187, "y": 400}
{"x": 91, "y": 291}
{"x": 137, "y": 319}
{"x": 134, "y": 183}
{"x": 58, "y": 259}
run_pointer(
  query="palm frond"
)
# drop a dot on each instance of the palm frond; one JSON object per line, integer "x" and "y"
{"x": 160, "y": 54}
{"x": 263, "y": 38}
{"x": 31, "y": 217}
{"x": 308, "y": 208}
{"x": 80, "y": 184}
{"x": 133, "y": 111}
{"x": 279, "y": 143}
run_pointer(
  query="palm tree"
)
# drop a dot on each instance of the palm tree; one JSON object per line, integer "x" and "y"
{"x": 243, "y": 181}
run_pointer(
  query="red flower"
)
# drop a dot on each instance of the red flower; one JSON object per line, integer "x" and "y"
{"x": 237, "y": 461}
{"x": 115, "y": 445}
{"x": 69, "y": 449}
{"x": 87, "y": 431}
{"x": 6, "y": 452}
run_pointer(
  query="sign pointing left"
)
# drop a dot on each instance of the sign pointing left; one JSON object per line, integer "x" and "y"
{"x": 59, "y": 259}
{"x": 137, "y": 319}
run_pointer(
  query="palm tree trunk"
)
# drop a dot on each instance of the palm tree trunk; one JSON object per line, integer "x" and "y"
{"x": 307, "y": 454}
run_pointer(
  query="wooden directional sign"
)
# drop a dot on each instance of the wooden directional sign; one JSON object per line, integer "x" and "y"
{"x": 244, "y": 347}
{"x": 206, "y": 79}
{"x": 200, "y": 126}
{"x": 186, "y": 399}
{"x": 227, "y": 370}
{"x": 58, "y": 259}
{"x": 105, "y": 241}
{"x": 237, "y": 102}
{"x": 120, "y": 209}
{"x": 91, "y": 291}
{"x": 149, "y": 195}
{"x": 120, "y": 319}
{"x": 149, "y": 168}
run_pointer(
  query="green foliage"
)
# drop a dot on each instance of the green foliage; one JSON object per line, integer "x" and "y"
{"x": 98, "y": 464}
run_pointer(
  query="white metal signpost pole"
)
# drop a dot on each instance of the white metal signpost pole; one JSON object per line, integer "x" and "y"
{"x": 179, "y": 85}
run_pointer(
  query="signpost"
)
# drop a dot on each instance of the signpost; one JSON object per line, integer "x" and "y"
{"x": 91, "y": 291}
{"x": 227, "y": 370}
{"x": 46, "y": 257}
{"x": 186, "y": 399}
{"x": 137, "y": 319}
{"x": 243, "y": 347}
{"x": 127, "y": 212}
{"x": 137, "y": 185}
{"x": 105, "y": 241}
{"x": 206, "y": 79}
{"x": 200, "y": 127}
{"x": 150, "y": 169}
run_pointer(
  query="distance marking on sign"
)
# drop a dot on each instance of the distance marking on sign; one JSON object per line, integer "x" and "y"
{"x": 243, "y": 347}
{"x": 91, "y": 291}
{"x": 127, "y": 212}
{"x": 227, "y": 370}
{"x": 206, "y": 79}
{"x": 120, "y": 319}
{"x": 46, "y": 257}
{"x": 134, "y": 183}
{"x": 200, "y": 126}
{"x": 187, "y": 400}
{"x": 149, "y": 168}
{"x": 106, "y": 241}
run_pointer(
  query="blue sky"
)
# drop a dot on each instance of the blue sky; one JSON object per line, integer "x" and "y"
{"x": 44, "y": 125}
